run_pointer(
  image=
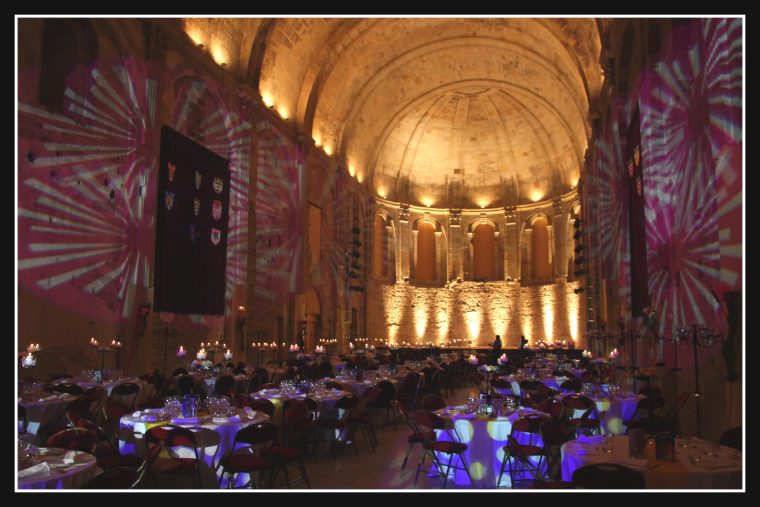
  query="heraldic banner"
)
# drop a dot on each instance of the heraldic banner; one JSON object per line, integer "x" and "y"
{"x": 191, "y": 227}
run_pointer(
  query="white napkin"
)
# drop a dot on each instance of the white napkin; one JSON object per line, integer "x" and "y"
{"x": 185, "y": 420}
{"x": 69, "y": 457}
{"x": 37, "y": 469}
{"x": 234, "y": 418}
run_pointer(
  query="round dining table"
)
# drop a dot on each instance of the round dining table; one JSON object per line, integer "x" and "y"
{"x": 47, "y": 409}
{"x": 698, "y": 464}
{"x": 485, "y": 437}
{"x": 214, "y": 436}
{"x": 50, "y": 470}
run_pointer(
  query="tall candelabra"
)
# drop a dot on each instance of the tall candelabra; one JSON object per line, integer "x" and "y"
{"x": 103, "y": 350}
{"x": 694, "y": 336}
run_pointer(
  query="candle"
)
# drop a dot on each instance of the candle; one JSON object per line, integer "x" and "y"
{"x": 118, "y": 344}
{"x": 503, "y": 359}
{"x": 181, "y": 352}
{"x": 201, "y": 355}
{"x": 93, "y": 342}
{"x": 227, "y": 355}
{"x": 473, "y": 360}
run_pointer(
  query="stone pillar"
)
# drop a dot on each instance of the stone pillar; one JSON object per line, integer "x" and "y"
{"x": 559, "y": 220}
{"x": 440, "y": 258}
{"x": 510, "y": 243}
{"x": 456, "y": 253}
{"x": 310, "y": 340}
{"x": 404, "y": 244}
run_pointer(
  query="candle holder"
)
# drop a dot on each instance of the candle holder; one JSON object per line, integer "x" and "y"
{"x": 103, "y": 350}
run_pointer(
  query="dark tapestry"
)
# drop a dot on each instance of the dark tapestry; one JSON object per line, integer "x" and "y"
{"x": 191, "y": 227}
{"x": 639, "y": 276}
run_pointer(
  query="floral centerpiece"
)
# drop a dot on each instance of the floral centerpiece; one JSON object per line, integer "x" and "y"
{"x": 204, "y": 366}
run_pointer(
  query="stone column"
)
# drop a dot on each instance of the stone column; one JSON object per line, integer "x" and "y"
{"x": 404, "y": 244}
{"x": 510, "y": 243}
{"x": 559, "y": 220}
{"x": 455, "y": 245}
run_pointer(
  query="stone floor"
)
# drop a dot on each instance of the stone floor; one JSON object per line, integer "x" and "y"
{"x": 380, "y": 469}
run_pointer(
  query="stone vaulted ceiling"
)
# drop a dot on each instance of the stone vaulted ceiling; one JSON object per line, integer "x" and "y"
{"x": 445, "y": 112}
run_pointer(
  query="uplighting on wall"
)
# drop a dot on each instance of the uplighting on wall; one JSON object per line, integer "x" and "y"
{"x": 267, "y": 99}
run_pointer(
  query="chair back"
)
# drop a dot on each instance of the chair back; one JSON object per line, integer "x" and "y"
{"x": 126, "y": 394}
{"x": 554, "y": 433}
{"x": 607, "y": 476}
{"x": 73, "y": 439}
{"x": 179, "y": 371}
{"x": 185, "y": 385}
{"x": 429, "y": 420}
{"x": 579, "y": 402}
{"x": 225, "y": 386}
{"x": 387, "y": 391}
{"x": 263, "y": 405}
{"x": 256, "y": 434}
{"x": 78, "y": 410}
{"x": 67, "y": 387}
{"x": 551, "y": 406}
{"x": 433, "y": 402}
{"x": 732, "y": 438}
{"x": 347, "y": 403}
{"x": 114, "y": 478}
{"x": 171, "y": 437}
{"x": 529, "y": 425}
{"x": 571, "y": 385}
{"x": 22, "y": 418}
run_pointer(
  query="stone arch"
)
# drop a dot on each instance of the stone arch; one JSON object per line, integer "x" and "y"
{"x": 485, "y": 250}
{"x": 437, "y": 272}
{"x": 531, "y": 273}
{"x": 383, "y": 246}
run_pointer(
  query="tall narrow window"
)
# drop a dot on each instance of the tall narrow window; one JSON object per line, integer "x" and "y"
{"x": 541, "y": 268}
{"x": 425, "y": 270}
{"x": 379, "y": 248}
{"x": 483, "y": 251}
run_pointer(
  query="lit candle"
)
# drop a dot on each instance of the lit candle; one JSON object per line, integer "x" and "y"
{"x": 93, "y": 342}
{"x": 351, "y": 345}
{"x": 29, "y": 361}
{"x": 473, "y": 360}
{"x": 227, "y": 355}
{"x": 503, "y": 359}
{"x": 181, "y": 352}
{"x": 118, "y": 344}
{"x": 201, "y": 355}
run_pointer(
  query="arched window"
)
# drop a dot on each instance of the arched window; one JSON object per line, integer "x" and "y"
{"x": 424, "y": 270}
{"x": 66, "y": 43}
{"x": 483, "y": 251}
{"x": 540, "y": 250}
{"x": 379, "y": 248}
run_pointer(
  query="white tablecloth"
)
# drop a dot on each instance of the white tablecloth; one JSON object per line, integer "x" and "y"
{"x": 213, "y": 438}
{"x": 61, "y": 477}
{"x": 485, "y": 437}
{"x": 49, "y": 410}
{"x": 721, "y": 470}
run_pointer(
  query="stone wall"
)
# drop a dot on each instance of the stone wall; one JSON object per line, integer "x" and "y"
{"x": 476, "y": 311}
